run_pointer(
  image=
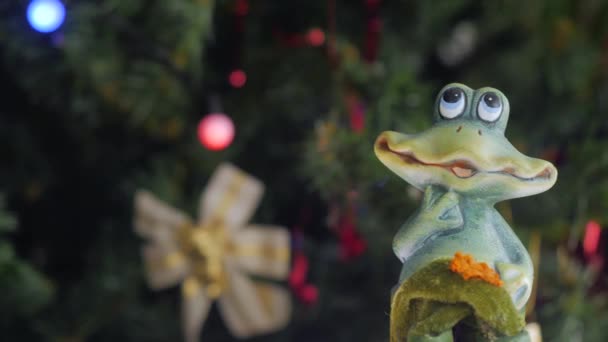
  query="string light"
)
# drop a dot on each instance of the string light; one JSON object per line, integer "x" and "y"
{"x": 315, "y": 37}
{"x": 237, "y": 78}
{"x": 591, "y": 240}
{"x": 216, "y": 131}
{"x": 45, "y": 15}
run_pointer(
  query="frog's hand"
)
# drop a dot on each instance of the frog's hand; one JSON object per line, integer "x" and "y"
{"x": 516, "y": 281}
{"x": 440, "y": 210}
{"x": 438, "y": 215}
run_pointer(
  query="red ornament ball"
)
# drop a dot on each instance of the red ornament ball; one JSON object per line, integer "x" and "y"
{"x": 591, "y": 241}
{"x": 237, "y": 78}
{"x": 242, "y": 7}
{"x": 315, "y": 37}
{"x": 216, "y": 131}
{"x": 309, "y": 294}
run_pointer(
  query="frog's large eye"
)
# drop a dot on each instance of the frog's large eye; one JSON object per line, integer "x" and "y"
{"x": 490, "y": 107}
{"x": 452, "y": 103}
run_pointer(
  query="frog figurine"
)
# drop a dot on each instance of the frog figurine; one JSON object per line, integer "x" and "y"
{"x": 465, "y": 165}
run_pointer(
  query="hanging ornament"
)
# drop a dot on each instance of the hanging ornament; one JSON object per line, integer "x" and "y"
{"x": 306, "y": 292}
{"x": 216, "y": 131}
{"x": 237, "y": 78}
{"x": 356, "y": 111}
{"x": 343, "y": 223}
{"x": 372, "y": 32}
{"x": 212, "y": 257}
{"x": 315, "y": 37}
{"x": 45, "y": 15}
{"x": 351, "y": 243}
{"x": 591, "y": 240}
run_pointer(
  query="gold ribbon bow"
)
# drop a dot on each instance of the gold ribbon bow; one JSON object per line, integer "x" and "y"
{"x": 211, "y": 259}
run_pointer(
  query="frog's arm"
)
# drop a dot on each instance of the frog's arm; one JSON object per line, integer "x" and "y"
{"x": 518, "y": 273}
{"x": 439, "y": 214}
{"x": 517, "y": 281}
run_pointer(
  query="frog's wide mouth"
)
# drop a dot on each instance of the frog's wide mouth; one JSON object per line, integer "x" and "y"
{"x": 462, "y": 168}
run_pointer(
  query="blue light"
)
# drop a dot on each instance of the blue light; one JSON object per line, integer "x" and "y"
{"x": 45, "y": 15}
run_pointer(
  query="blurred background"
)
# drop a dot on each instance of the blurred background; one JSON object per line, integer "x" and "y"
{"x": 101, "y": 98}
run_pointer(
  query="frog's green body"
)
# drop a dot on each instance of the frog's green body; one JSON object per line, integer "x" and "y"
{"x": 476, "y": 228}
{"x": 465, "y": 165}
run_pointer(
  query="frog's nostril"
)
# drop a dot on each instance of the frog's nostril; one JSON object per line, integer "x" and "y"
{"x": 458, "y": 129}
{"x": 479, "y": 132}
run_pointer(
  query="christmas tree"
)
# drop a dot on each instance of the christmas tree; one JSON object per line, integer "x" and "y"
{"x": 102, "y": 98}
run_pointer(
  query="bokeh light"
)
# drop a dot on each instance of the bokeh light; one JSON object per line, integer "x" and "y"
{"x": 45, "y": 15}
{"x": 237, "y": 78}
{"x": 216, "y": 131}
{"x": 316, "y": 37}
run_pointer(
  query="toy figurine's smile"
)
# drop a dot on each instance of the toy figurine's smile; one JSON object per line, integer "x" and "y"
{"x": 461, "y": 168}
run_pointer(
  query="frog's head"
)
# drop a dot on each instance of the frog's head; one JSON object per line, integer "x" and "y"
{"x": 466, "y": 149}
